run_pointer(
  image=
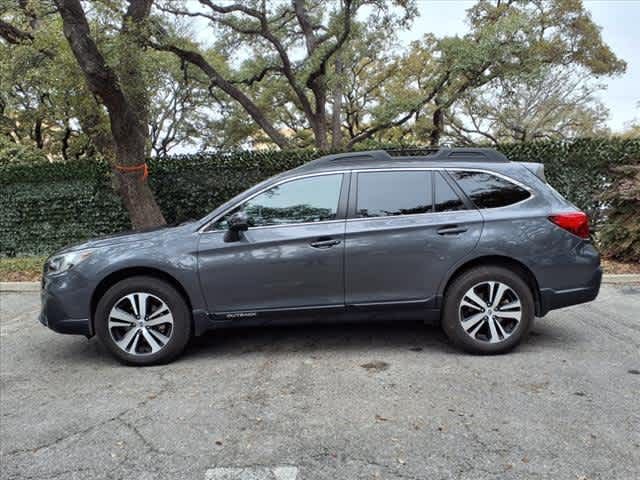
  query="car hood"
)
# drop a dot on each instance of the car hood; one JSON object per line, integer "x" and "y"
{"x": 128, "y": 237}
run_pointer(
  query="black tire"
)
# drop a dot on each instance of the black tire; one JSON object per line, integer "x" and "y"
{"x": 451, "y": 321}
{"x": 180, "y": 330}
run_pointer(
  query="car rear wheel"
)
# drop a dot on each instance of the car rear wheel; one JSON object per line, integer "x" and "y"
{"x": 488, "y": 310}
{"x": 143, "y": 321}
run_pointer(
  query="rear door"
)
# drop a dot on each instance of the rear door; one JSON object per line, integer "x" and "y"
{"x": 406, "y": 229}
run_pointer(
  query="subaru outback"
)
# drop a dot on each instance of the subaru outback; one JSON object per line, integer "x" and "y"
{"x": 462, "y": 236}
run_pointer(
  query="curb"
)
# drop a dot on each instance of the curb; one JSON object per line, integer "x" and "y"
{"x": 19, "y": 286}
{"x": 617, "y": 279}
{"x": 621, "y": 278}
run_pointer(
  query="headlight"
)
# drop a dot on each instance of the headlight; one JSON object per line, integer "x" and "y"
{"x": 63, "y": 262}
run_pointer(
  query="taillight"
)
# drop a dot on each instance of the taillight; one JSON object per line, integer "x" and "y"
{"x": 574, "y": 222}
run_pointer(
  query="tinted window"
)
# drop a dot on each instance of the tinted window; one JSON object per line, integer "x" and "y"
{"x": 311, "y": 199}
{"x": 489, "y": 191}
{"x": 446, "y": 199}
{"x": 381, "y": 194}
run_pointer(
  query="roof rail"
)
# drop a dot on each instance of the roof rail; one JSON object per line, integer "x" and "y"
{"x": 466, "y": 154}
{"x": 380, "y": 155}
{"x": 413, "y": 152}
{"x": 471, "y": 154}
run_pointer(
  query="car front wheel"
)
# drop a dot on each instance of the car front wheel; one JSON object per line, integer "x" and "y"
{"x": 143, "y": 321}
{"x": 488, "y": 310}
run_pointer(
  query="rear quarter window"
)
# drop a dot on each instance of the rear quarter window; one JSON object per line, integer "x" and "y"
{"x": 489, "y": 191}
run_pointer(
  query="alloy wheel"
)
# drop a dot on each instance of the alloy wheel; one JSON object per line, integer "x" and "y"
{"x": 490, "y": 312}
{"x": 140, "y": 323}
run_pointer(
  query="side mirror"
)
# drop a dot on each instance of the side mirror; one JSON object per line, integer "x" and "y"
{"x": 238, "y": 222}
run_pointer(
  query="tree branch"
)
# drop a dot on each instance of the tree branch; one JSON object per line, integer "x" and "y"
{"x": 101, "y": 79}
{"x": 226, "y": 86}
{"x": 342, "y": 38}
{"x": 266, "y": 33}
{"x": 13, "y": 34}
{"x": 368, "y": 133}
{"x": 258, "y": 76}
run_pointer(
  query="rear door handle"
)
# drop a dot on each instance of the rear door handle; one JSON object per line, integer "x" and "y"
{"x": 451, "y": 230}
{"x": 325, "y": 243}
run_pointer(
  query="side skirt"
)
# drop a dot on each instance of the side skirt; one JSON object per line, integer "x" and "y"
{"x": 424, "y": 310}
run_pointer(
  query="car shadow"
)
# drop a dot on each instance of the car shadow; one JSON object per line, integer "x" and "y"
{"x": 326, "y": 337}
{"x": 380, "y": 336}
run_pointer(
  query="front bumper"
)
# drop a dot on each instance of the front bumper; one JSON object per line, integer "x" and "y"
{"x": 67, "y": 325}
{"x": 64, "y": 305}
{"x": 551, "y": 299}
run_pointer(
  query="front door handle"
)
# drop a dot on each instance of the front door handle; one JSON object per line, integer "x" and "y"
{"x": 325, "y": 243}
{"x": 451, "y": 230}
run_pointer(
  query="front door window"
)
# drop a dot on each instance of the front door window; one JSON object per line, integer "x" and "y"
{"x": 304, "y": 200}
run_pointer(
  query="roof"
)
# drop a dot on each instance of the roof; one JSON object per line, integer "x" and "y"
{"x": 389, "y": 158}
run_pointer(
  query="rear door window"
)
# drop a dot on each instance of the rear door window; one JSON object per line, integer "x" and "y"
{"x": 383, "y": 194}
{"x": 489, "y": 191}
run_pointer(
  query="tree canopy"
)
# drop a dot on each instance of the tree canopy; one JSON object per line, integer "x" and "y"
{"x": 125, "y": 79}
{"x": 298, "y": 73}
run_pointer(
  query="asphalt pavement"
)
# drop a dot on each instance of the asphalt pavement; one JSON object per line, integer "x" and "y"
{"x": 375, "y": 401}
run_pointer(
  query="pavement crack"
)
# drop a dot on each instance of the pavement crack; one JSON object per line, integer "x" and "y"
{"x": 53, "y": 475}
{"x": 77, "y": 433}
{"x": 84, "y": 431}
{"x": 145, "y": 441}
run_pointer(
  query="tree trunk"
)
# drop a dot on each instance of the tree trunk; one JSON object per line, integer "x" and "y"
{"x": 438, "y": 126}
{"x": 65, "y": 141}
{"x": 93, "y": 125}
{"x": 336, "y": 120}
{"x": 320, "y": 134}
{"x": 137, "y": 197}
{"x": 320, "y": 122}
{"x": 37, "y": 134}
{"x": 127, "y": 116}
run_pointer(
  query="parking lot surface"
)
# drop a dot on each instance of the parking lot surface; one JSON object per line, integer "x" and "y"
{"x": 386, "y": 401}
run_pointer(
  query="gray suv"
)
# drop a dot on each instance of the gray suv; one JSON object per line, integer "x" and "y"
{"x": 464, "y": 237}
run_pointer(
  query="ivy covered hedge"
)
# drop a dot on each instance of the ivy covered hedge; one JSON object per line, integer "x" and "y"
{"x": 45, "y": 206}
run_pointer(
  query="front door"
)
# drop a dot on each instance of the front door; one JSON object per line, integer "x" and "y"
{"x": 292, "y": 256}
{"x": 407, "y": 229}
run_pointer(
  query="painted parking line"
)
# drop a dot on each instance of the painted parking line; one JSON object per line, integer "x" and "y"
{"x": 282, "y": 472}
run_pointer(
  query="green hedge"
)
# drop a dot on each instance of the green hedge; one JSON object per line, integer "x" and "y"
{"x": 581, "y": 169}
{"x": 46, "y": 206}
{"x": 620, "y": 235}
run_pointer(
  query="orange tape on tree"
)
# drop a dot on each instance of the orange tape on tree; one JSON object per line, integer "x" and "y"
{"x": 135, "y": 168}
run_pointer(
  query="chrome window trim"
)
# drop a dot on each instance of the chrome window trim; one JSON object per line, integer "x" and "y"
{"x": 388, "y": 217}
{"x": 203, "y": 229}
{"x": 532, "y": 195}
{"x": 440, "y": 169}
{"x": 459, "y": 169}
{"x": 302, "y": 224}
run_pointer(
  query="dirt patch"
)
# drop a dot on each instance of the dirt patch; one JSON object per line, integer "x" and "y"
{"x": 21, "y": 269}
{"x": 375, "y": 366}
{"x": 611, "y": 266}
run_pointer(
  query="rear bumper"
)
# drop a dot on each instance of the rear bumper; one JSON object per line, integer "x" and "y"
{"x": 551, "y": 299}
